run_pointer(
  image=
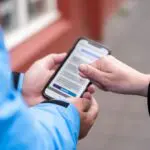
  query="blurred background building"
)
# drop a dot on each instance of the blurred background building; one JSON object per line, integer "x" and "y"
{"x": 20, "y": 19}
{"x": 35, "y": 28}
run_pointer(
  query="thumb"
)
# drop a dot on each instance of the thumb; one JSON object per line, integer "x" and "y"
{"x": 53, "y": 59}
{"x": 82, "y": 104}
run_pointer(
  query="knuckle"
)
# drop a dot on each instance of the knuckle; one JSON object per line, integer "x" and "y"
{"x": 95, "y": 114}
{"x": 52, "y": 55}
{"x": 97, "y": 63}
{"x": 37, "y": 63}
{"x": 83, "y": 118}
{"x": 105, "y": 82}
{"x": 111, "y": 58}
{"x": 85, "y": 104}
{"x": 105, "y": 59}
{"x": 90, "y": 72}
{"x": 103, "y": 79}
{"x": 90, "y": 121}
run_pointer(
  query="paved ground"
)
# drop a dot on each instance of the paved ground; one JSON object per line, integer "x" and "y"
{"x": 123, "y": 123}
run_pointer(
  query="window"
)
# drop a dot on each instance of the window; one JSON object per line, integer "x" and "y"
{"x": 36, "y": 8}
{"x": 22, "y": 18}
{"x": 8, "y": 14}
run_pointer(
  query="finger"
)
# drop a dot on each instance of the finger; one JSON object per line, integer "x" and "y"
{"x": 53, "y": 70}
{"x": 82, "y": 104}
{"x": 87, "y": 95}
{"x": 58, "y": 58}
{"x": 55, "y": 67}
{"x": 51, "y": 73}
{"x": 92, "y": 73}
{"x": 94, "y": 109}
{"x": 91, "y": 89}
{"x": 86, "y": 103}
{"x": 81, "y": 74}
{"x": 53, "y": 59}
{"x": 100, "y": 86}
{"x": 97, "y": 64}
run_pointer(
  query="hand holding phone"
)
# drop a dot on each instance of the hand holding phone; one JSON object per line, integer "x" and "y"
{"x": 66, "y": 81}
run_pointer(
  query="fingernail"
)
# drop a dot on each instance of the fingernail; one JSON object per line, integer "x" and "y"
{"x": 83, "y": 68}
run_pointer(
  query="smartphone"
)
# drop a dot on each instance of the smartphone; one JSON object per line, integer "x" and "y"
{"x": 66, "y": 82}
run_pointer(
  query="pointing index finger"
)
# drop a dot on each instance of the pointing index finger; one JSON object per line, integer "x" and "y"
{"x": 92, "y": 73}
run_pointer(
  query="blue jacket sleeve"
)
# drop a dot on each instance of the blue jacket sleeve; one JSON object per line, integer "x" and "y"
{"x": 43, "y": 127}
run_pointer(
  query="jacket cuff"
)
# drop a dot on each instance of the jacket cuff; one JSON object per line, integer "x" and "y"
{"x": 148, "y": 99}
{"x": 20, "y": 83}
{"x": 72, "y": 115}
{"x": 18, "y": 80}
{"x": 69, "y": 113}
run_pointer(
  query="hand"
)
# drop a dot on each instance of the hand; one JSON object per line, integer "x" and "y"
{"x": 88, "y": 109}
{"x": 110, "y": 74}
{"x": 38, "y": 75}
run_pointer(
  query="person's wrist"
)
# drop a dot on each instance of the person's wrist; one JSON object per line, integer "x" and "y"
{"x": 143, "y": 85}
{"x": 33, "y": 100}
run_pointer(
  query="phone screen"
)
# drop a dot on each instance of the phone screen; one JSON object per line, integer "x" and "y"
{"x": 67, "y": 82}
